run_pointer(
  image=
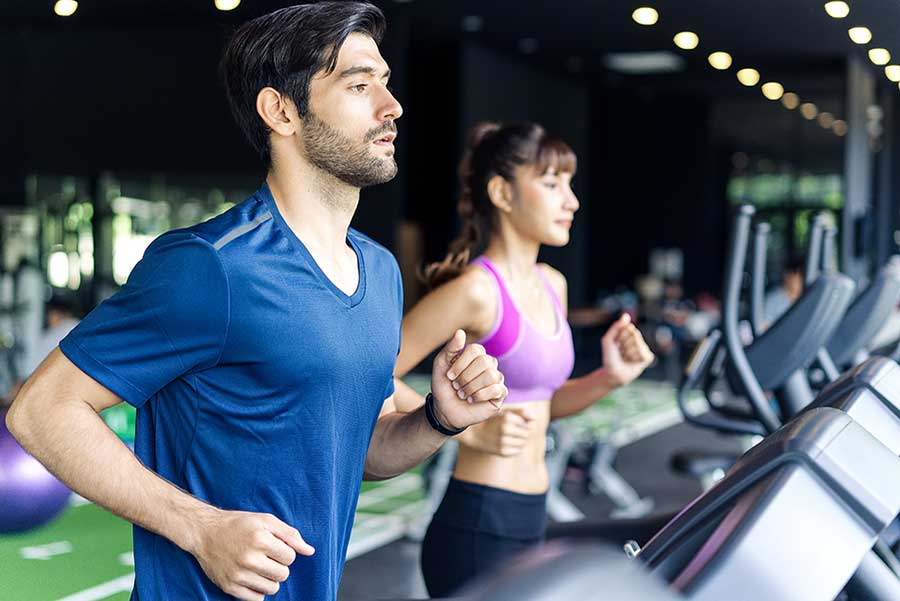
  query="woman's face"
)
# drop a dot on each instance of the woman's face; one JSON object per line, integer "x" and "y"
{"x": 543, "y": 205}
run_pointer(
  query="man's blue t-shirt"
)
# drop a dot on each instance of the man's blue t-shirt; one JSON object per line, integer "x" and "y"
{"x": 257, "y": 381}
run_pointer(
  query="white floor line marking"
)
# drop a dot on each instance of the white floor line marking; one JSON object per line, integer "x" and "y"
{"x": 397, "y": 486}
{"x": 45, "y": 552}
{"x": 102, "y": 591}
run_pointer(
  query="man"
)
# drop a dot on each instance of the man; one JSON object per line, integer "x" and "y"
{"x": 780, "y": 299}
{"x": 60, "y": 321}
{"x": 259, "y": 346}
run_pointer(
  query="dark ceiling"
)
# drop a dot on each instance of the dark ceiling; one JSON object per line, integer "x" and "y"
{"x": 792, "y": 41}
{"x": 799, "y": 29}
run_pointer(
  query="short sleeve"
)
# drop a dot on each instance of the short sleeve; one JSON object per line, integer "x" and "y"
{"x": 398, "y": 295}
{"x": 170, "y": 319}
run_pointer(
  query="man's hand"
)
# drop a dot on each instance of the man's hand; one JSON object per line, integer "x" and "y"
{"x": 247, "y": 554}
{"x": 466, "y": 384}
{"x": 625, "y": 354}
{"x": 505, "y": 434}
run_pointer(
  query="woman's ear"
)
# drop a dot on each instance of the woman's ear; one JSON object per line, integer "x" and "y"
{"x": 500, "y": 192}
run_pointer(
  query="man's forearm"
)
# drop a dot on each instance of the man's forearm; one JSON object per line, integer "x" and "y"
{"x": 400, "y": 442}
{"x": 74, "y": 443}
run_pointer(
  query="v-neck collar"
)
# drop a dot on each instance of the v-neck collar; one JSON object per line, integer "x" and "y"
{"x": 350, "y": 300}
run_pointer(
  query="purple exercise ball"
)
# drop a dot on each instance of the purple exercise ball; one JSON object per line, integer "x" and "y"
{"x": 29, "y": 495}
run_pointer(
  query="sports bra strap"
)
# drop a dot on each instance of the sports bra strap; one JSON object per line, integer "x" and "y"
{"x": 556, "y": 302}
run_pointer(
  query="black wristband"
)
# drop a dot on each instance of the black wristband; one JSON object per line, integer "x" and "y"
{"x": 435, "y": 422}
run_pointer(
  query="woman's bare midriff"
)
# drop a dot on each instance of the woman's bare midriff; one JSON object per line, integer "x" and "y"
{"x": 524, "y": 473}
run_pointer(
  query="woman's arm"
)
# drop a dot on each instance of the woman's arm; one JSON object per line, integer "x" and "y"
{"x": 467, "y": 302}
{"x": 625, "y": 357}
{"x": 464, "y": 303}
{"x": 402, "y": 440}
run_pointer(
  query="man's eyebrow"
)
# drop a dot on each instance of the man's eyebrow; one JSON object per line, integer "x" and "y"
{"x": 364, "y": 69}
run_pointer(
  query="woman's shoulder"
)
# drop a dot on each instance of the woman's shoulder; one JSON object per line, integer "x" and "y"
{"x": 556, "y": 279}
{"x": 471, "y": 296}
{"x": 477, "y": 286}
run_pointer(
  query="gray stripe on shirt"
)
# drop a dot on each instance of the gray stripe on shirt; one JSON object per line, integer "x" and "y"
{"x": 240, "y": 231}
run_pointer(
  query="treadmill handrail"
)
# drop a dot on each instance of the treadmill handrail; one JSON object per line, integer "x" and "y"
{"x": 697, "y": 367}
{"x": 829, "y": 258}
{"x": 758, "y": 279}
{"x": 814, "y": 248}
{"x": 821, "y": 234}
{"x": 827, "y": 364}
{"x": 734, "y": 274}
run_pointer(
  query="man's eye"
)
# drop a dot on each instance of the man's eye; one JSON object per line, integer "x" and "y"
{"x": 359, "y": 88}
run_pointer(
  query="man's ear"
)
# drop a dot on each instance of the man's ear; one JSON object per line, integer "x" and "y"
{"x": 277, "y": 112}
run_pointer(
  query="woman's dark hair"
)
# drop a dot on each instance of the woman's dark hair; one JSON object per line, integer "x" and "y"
{"x": 494, "y": 149}
{"x": 284, "y": 50}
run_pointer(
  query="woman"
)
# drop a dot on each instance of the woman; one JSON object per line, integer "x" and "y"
{"x": 516, "y": 196}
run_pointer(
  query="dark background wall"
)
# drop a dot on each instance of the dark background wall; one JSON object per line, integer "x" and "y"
{"x": 12, "y": 124}
{"x": 144, "y": 100}
{"x": 128, "y": 99}
{"x": 459, "y": 84}
{"x": 499, "y": 87}
{"x": 656, "y": 184}
{"x": 145, "y": 97}
{"x": 150, "y": 100}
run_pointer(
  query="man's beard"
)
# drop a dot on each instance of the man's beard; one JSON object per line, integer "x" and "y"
{"x": 334, "y": 153}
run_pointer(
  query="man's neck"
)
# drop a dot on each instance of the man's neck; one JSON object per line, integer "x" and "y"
{"x": 317, "y": 206}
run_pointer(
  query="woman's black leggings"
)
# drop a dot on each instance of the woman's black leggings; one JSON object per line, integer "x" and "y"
{"x": 476, "y": 528}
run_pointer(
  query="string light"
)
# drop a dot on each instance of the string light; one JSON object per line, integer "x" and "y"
{"x": 879, "y": 56}
{"x": 860, "y": 35}
{"x": 226, "y": 5}
{"x": 748, "y": 77}
{"x": 686, "y": 40}
{"x": 720, "y": 60}
{"x": 65, "y": 8}
{"x": 837, "y": 9}
{"x": 809, "y": 110}
{"x": 772, "y": 90}
{"x": 645, "y": 16}
{"x": 790, "y": 101}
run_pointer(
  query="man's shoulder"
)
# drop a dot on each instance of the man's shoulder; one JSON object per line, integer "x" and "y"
{"x": 225, "y": 228}
{"x": 212, "y": 236}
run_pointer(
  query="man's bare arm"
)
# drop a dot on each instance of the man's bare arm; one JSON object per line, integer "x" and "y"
{"x": 467, "y": 389}
{"x": 55, "y": 417}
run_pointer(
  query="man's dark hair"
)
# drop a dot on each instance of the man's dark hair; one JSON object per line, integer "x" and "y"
{"x": 794, "y": 265}
{"x": 62, "y": 303}
{"x": 284, "y": 50}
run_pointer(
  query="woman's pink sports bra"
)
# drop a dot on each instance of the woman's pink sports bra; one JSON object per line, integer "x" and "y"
{"x": 534, "y": 365}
